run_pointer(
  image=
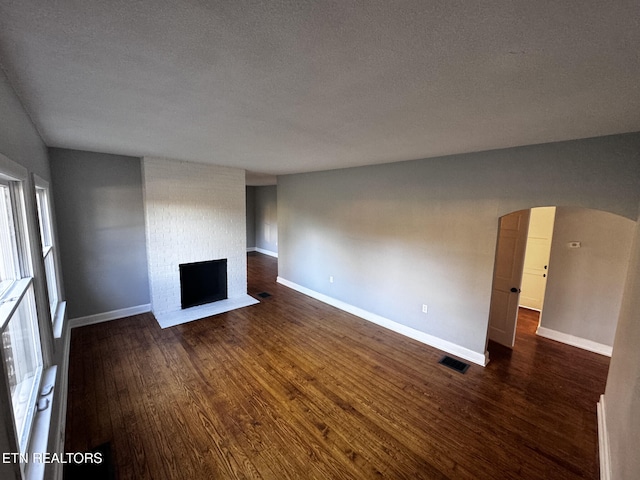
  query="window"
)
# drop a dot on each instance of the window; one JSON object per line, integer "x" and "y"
{"x": 9, "y": 270}
{"x": 48, "y": 253}
{"x": 22, "y": 355}
{"x": 23, "y": 361}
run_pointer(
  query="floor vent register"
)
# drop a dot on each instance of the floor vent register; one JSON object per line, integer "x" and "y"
{"x": 454, "y": 364}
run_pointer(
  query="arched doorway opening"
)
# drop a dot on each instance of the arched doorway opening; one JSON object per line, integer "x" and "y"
{"x": 584, "y": 279}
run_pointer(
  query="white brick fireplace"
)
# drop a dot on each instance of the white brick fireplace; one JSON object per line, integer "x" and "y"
{"x": 193, "y": 213}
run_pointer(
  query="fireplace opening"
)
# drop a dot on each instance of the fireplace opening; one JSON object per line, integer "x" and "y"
{"x": 203, "y": 282}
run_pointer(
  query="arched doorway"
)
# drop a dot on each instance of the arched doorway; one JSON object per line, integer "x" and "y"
{"x": 586, "y": 274}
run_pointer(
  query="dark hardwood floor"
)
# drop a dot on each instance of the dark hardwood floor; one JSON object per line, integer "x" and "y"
{"x": 293, "y": 388}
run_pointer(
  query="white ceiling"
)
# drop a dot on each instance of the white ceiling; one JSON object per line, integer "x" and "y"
{"x": 288, "y": 86}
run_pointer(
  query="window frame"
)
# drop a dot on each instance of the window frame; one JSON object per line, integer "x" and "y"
{"x": 7, "y": 221}
{"x": 44, "y": 211}
{"x": 31, "y": 283}
{"x": 22, "y": 295}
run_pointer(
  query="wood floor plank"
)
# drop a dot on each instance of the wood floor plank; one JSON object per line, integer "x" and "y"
{"x": 293, "y": 388}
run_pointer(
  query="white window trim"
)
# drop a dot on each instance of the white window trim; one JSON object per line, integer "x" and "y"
{"x": 59, "y": 315}
{"x": 15, "y": 294}
{"x": 7, "y": 222}
{"x": 11, "y": 170}
{"x": 32, "y": 264}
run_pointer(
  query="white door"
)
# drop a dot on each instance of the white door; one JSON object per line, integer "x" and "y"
{"x": 536, "y": 260}
{"x": 507, "y": 277}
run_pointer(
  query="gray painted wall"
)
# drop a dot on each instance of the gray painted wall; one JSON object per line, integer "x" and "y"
{"x": 401, "y": 235}
{"x": 100, "y": 218}
{"x": 266, "y": 218}
{"x": 251, "y": 216}
{"x": 19, "y": 139}
{"x": 622, "y": 395}
{"x": 585, "y": 285}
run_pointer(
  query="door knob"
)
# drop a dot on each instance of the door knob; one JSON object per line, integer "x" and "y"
{"x": 515, "y": 290}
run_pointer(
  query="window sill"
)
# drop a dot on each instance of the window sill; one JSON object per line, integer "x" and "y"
{"x": 58, "y": 321}
{"x": 40, "y": 434}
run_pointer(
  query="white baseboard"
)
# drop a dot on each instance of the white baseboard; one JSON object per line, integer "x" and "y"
{"x": 107, "y": 316}
{"x": 440, "y": 344}
{"x": 574, "y": 341}
{"x": 530, "y": 308}
{"x": 266, "y": 252}
{"x": 262, "y": 250}
{"x": 603, "y": 442}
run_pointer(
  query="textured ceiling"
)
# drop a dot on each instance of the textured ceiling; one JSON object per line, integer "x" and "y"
{"x": 293, "y": 86}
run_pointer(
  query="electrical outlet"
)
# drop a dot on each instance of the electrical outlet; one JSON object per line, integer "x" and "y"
{"x": 330, "y": 278}
{"x": 425, "y": 308}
